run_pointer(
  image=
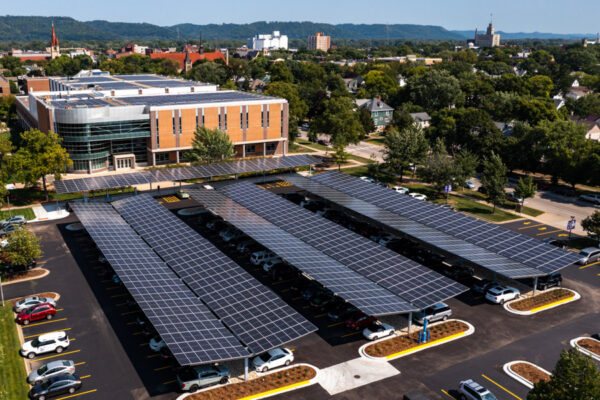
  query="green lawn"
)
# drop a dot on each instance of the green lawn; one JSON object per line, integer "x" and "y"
{"x": 13, "y": 384}
{"x": 27, "y": 212}
{"x": 294, "y": 148}
{"x": 312, "y": 145}
{"x": 480, "y": 210}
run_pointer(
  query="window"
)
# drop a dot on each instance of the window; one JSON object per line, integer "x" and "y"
{"x": 157, "y": 134}
{"x": 271, "y": 146}
{"x": 267, "y": 117}
{"x": 241, "y": 120}
{"x": 180, "y": 122}
{"x": 262, "y": 119}
{"x": 246, "y": 119}
{"x": 282, "y": 121}
{"x": 162, "y": 157}
{"x": 225, "y": 121}
{"x": 174, "y": 127}
{"x": 250, "y": 148}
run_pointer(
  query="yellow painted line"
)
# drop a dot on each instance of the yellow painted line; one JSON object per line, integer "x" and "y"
{"x": 130, "y": 312}
{"x": 72, "y": 340}
{"x": 424, "y": 345}
{"x": 297, "y": 298}
{"x": 119, "y": 295}
{"x": 549, "y": 232}
{"x": 42, "y": 323}
{"x": 60, "y": 309}
{"x": 132, "y": 322}
{"x": 551, "y": 304}
{"x": 563, "y": 234}
{"x": 58, "y": 330}
{"x": 336, "y": 324}
{"x": 114, "y": 287}
{"x": 41, "y": 262}
{"x": 137, "y": 333}
{"x": 589, "y": 265}
{"x": 285, "y": 290}
{"x": 502, "y": 387}
{"x": 270, "y": 392}
{"x": 84, "y": 377}
{"x": 543, "y": 228}
{"x": 446, "y": 393}
{"x": 161, "y": 368}
{"x": 144, "y": 344}
{"x": 153, "y": 355}
{"x": 532, "y": 226}
{"x": 169, "y": 382}
{"x": 81, "y": 363}
{"x": 106, "y": 280}
{"x": 57, "y": 355}
{"x": 78, "y": 394}
{"x": 352, "y": 334}
{"x": 285, "y": 281}
{"x": 320, "y": 315}
{"x": 526, "y": 222}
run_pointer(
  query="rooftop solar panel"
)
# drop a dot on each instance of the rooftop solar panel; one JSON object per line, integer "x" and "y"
{"x": 254, "y": 313}
{"x": 194, "y": 98}
{"x": 400, "y": 275}
{"x": 446, "y": 242}
{"x": 187, "y": 326}
{"x": 171, "y": 174}
{"x": 347, "y": 284}
{"x": 500, "y": 240}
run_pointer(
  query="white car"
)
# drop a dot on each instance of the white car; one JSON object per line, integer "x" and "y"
{"x": 367, "y": 179}
{"x": 273, "y": 359}
{"x": 501, "y": 294}
{"x": 24, "y": 304}
{"x": 418, "y": 196}
{"x": 378, "y": 330}
{"x": 470, "y": 185}
{"x": 50, "y": 342}
{"x": 591, "y": 197}
{"x": 471, "y": 390}
{"x": 400, "y": 189}
{"x": 269, "y": 264}
{"x": 156, "y": 344}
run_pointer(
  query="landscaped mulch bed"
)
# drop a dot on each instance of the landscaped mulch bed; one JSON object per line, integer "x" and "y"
{"x": 258, "y": 385}
{"x": 31, "y": 274}
{"x": 44, "y": 294}
{"x": 541, "y": 299}
{"x": 590, "y": 345}
{"x": 406, "y": 342}
{"x": 530, "y": 372}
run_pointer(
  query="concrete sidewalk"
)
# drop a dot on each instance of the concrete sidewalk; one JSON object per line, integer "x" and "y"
{"x": 48, "y": 211}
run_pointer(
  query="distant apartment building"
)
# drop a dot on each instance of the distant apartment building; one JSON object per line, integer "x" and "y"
{"x": 411, "y": 58}
{"x": 116, "y": 122}
{"x": 319, "y": 41}
{"x": 4, "y": 86}
{"x": 274, "y": 41}
{"x": 489, "y": 39}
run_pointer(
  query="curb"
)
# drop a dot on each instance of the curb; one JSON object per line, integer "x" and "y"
{"x": 47, "y": 271}
{"x": 470, "y": 331}
{"x": 269, "y": 393}
{"x": 574, "y": 344}
{"x": 576, "y": 296}
{"x": 518, "y": 377}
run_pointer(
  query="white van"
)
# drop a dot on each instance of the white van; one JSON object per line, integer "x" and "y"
{"x": 259, "y": 257}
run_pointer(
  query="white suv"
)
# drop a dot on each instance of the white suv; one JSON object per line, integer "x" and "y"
{"x": 501, "y": 294}
{"x": 471, "y": 390}
{"x": 47, "y": 343}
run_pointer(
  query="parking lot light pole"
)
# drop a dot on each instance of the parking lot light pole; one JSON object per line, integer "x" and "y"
{"x": 245, "y": 369}
{"x": 535, "y": 280}
{"x": 409, "y": 322}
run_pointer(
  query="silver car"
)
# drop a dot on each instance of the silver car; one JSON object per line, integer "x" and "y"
{"x": 24, "y": 304}
{"x": 49, "y": 370}
{"x": 589, "y": 255}
{"x": 437, "y": 312}
{"x": 16, "y": 220}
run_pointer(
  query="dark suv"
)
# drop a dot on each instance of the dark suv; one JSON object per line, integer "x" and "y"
{"x": 545, "y": 282}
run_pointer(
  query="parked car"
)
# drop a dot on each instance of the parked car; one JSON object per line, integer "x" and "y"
{"x": 323, "y": 142}
{"x": 589, "y": 255}
{"x": 7, "y": 229}
{"x": 400, "y": 189}
{"x": 244, "y": 244}
{"x": 47, "y": 371}
{"x": 469, "y": 185}
{"x": 459, "y": 272}
{"x": 216, "y": 224}
{"x": 35, "y": 313}
{"x": 315, "y": 290}
{"x": 590, "y": 197}
{"x": 191, "y": 379}
{"x": 544, "y": 282}
{"x": 359, "y": 320}
{"x": 262, "y": 256}
{"x": 322, "y": 300}
{"x": 418, "y": 196}
{"x": 515, "y": 198}
{"x": 182, "y": 195}
{"x": 60, "y": 384}
{"x": 32, "y": 301}
{"x": 272, "y": 359}
{"x": 230, "y": 233}
{"x": 156, "y": 343}
{"x": 341, "y": 312}
{"x": 385, "y": 239}
{"x": 270, "y": 263}
{"x": 482, "y": 285}
{"x": 17, "y": 220}
{"x": 283, "y": 271}
{"x": 501, "y": 294}
{"x": 437, "y": 312}
{"x": 378, "y": 330}
{"x": 367, "y": 179}
{"x": 556, "y": 242}
{"x": 471, "y": 390}
{"x": 47, "y": 343}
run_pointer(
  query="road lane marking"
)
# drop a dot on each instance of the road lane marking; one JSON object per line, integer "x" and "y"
{"x": 84, "y": 377}
{"x": 78, "y": 394}
{"x": 449, "y": 395}
{"x": 153, "y": 355}
{"x": 169, "y": 382}
{"x": 336, "y": 324}
{"x": 532, "y": 226}
{"x": 144, "y": 344}
{"x": 589, "y": 265}
{"x": 502, "y": 387}
{"x": 352, "y": 334}
{"x": 543, "y": 228}
{"x": 81, "y": 363}
{"x": 563, "y": 234}
{"x": 546, "y": 233}
{"x": 57, "y": 355}
{"x": 131, "y": 312}
{"x": 42, "y": 323}
{"x": 119, "y": 295}
{"x": 320, "y": 315}
{"x": 161, "y": 368}
{"x": 58, "y": 330}
{"x": 285, "y": 290}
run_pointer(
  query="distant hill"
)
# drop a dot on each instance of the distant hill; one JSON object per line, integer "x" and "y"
{"x": 14, "y": 28}
{"x": 469, "y": 34}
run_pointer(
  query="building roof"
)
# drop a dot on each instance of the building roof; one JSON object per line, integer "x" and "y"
{"x": 420, "y": 117}
{"x": 375, "y": 105}
{"x": 180, "y": 57}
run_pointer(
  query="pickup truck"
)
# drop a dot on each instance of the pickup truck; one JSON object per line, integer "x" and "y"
{"x": 193, "y": 378}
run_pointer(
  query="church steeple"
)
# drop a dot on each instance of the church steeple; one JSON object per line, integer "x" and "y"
{"x": 54, "y": 47}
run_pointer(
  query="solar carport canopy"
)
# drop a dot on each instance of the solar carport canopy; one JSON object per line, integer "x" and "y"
{"x": 475, "y": 254}
{"x": 254, "y": 313}
{"x": 531, "y": 252}
{"x": 189, "y": 329}
{"x": 413, "y": 282}
{"x": 182, "y": 173}
{"x": 361, "y": 292}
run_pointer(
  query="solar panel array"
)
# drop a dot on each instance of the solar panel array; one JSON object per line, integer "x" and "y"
{"x": 254, "y": 313}
{"x": 521, "y": 248}
{"x": 182, "y": 173}
{"x": 347, "y": 284}
{"x": 194, "y": 98}
{"x": 187, "y": 326}
{"x": 434, "y": 237}
{"x": 411, "y": 281}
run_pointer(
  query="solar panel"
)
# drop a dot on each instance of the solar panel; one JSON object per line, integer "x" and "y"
{"x": 193, "y": 98}
{"x": 347, "y": 284}
{"x": 498, "y": 239}
{"x": 255, "y": 314}
{"x": 182, "y": 173}
{"x": 441, "y": 240}
{"x": 400, "y": 275}
{"x": 187, "y": 326}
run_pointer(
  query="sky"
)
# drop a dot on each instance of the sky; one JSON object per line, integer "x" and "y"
{"x": 552, "y": 16}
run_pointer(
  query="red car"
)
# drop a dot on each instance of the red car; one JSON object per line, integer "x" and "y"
{"x": 359, "y": 320}
{"x": 41, "y": 311}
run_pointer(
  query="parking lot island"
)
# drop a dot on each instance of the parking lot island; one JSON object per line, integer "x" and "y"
{"x": 588, "y": 346}
{"x": 526, "y": 373}
{"x": 402, "y": 345}
{"x": 542, "y": 301}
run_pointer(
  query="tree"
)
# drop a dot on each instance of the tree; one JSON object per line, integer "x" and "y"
{"x": 591, "y": 224}
{"x": 575, "y": 376}
{"x": 378, "y": 83}
{"x": 434, "y": 90}
{"x": 208, "y": 71}
{"x": 39, "y": 154}
{"x": 339, "y": 120}
{"x": 210, "y": 145}
{"x": 366, "y": 120}
{"x": 465, "y": 164}
{"x": 439, "y": 169}
{"x": 540, "y": 85}
{"x": 494, "y": 179}
{"x": 23, "y": 247}
{"x": 525, "y": 189}
{"x": 281, "y": 72}
{"x": 339, "y": 146}
{"x": 401, "y": 149}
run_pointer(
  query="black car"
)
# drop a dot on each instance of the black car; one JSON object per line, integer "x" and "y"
{"x": 283, "y": 272}
{"x": 341, "y": 312}
{"x": 482, "y": 285}
{"x": 556, "y": 242}
{"x": 321, "y": 301}
{"x": 545, "y": 282}
{"x": 315, "y": 290}
{"x": 55, "y": 386}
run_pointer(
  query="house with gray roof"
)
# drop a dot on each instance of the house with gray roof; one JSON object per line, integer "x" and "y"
{"x": 422, "y": 119}
{"x": 380, "y": 112}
